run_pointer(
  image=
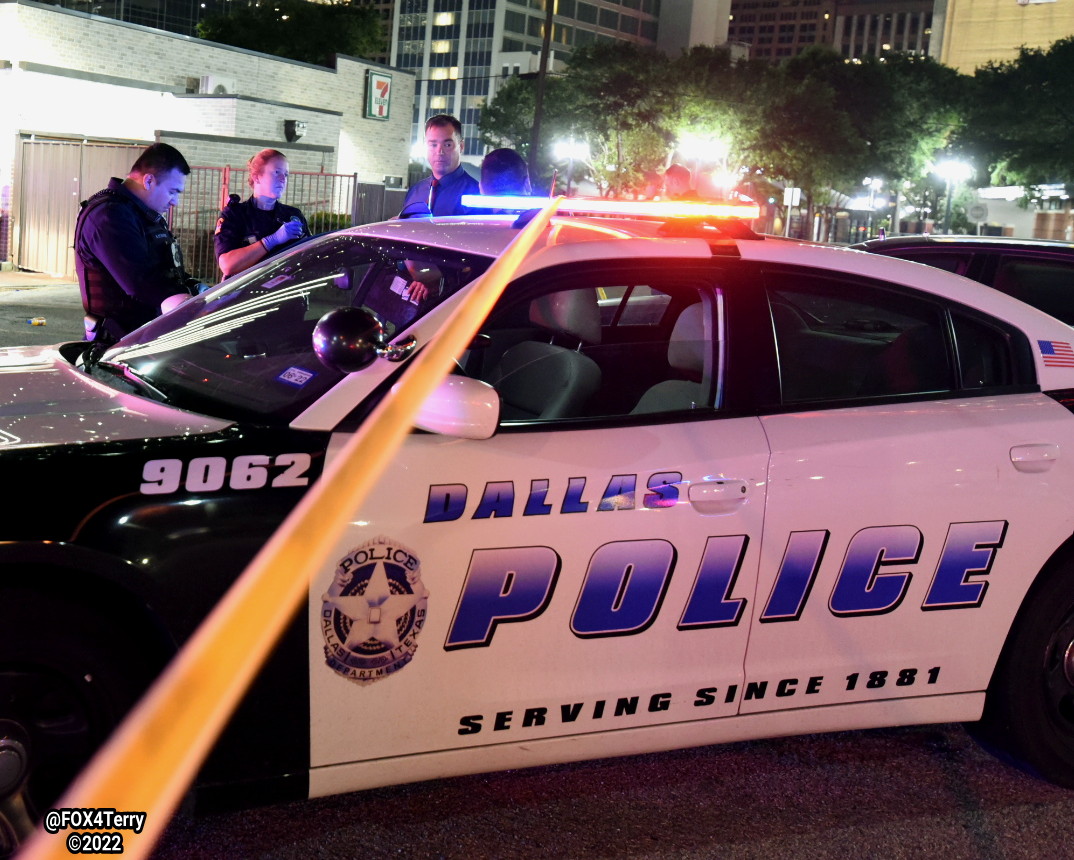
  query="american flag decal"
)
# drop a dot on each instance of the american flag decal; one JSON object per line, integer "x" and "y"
{"x": 1056, "y": 353}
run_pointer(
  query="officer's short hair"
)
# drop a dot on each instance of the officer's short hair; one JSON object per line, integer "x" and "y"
{"x": 503, "y": 171}
{"x": 444, "y": 119}
{"x": 158, "y": 159}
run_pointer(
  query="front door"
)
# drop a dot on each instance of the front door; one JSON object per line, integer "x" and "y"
{"x": 583, "y": 572}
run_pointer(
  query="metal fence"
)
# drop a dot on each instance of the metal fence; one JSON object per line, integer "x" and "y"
{"x": 330, "y": 201}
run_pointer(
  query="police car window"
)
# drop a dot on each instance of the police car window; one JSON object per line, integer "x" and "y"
{"x": 847, "y": 341}
{"x": 636, "y": 304}
{"x": 949, "y": 261}
{"x": 1045, "y": 284}
{"x": 245, "y": 348}
{"x": 593, "y": 352}
{"x": 986, "y": 354}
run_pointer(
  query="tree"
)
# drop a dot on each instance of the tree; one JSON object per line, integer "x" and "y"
{"x": 624, "y": 107}
{"x": 508, "y": 119}
{"x": 817, "y": 121}
{"x": 299, "y": 30}
{"x": 1021, "y": 122}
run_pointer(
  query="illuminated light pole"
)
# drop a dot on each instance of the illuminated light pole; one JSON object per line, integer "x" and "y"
{"x": 698, "y": 151}
{"x": 951, "y": 172}
{"x": 873, "y": 185}
{"x": 571, "y": 151}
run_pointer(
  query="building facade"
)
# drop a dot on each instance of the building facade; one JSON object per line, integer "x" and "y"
{"x": 461, "y": 51}
{"x": 976, "y": 32}
{"x": 93, "y": 85}
{"x": 778, "y": 29}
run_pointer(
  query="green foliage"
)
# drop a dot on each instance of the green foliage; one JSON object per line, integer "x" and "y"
{"x": 311, "y": 32}
{"x": 327, "y": 222}
{"x": 817, "y": 121}
{"x": 1020, "y": 122}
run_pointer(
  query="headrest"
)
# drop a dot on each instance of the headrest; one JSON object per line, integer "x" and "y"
{"x": 686, "y": 349}
{"x": 572, "y": 312}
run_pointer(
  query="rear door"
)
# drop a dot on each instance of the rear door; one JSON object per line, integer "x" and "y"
{"x": 903, "y": 522}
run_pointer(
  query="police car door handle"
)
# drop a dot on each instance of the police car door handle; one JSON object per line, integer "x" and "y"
{"x": 722, "y": 496}
{"x": 1034, "y": 458}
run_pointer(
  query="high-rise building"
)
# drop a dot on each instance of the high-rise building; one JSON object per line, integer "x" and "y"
{"x": 463, "y": 50}
{"x": 877, "y": 27}
{"x": 982, "y": 31}
{"x": 685, "y": 23}
{"x": 176, "y": 17}
{"x": 778, "y": 29}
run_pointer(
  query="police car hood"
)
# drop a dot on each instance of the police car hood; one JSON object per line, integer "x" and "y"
{"x": 44, "y": 400}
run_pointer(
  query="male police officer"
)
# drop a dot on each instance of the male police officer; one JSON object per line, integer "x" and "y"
{"x": 441, "y": 193}
{"x": 504, "y": 171}
{"x": 127, "y": 259}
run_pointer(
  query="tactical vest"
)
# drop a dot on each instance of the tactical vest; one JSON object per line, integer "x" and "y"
{"x": 97, "y": 284}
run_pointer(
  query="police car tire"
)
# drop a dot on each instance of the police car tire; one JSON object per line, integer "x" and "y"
{"x": 68, "y": 675}
{"x": 1029, "y": 711}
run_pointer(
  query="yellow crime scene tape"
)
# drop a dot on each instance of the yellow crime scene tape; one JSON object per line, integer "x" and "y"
{"x": 153, "y": 756}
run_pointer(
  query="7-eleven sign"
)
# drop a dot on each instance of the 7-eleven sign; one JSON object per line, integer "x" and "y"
{"x": 378, "y": 98}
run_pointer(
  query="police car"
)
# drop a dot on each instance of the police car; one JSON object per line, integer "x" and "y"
{"x": 688, "y": 485}
{"x": 1037, "y": 271}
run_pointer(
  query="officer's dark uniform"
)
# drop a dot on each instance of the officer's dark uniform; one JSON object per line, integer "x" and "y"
{"x": 127, "y": 260}
{"x": 242, "y": 223}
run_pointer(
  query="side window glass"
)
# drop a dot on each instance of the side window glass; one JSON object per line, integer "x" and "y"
{"x": 946, "y": 260}
{"x": 632, "y": 305}
{"x": 847, "y": 341}
{"x": 984, "y": 354}
{"x": 1045, "y": 284}
{"x": 595, "y": 352}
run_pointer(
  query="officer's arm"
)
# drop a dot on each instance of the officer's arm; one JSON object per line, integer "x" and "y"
{"x": 117, "y": 240}
{"x": 240, "y": 259}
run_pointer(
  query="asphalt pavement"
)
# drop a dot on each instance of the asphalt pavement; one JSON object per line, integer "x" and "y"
{"x": 26, "y": 296}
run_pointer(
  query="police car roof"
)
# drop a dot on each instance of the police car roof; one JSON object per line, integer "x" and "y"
{"x": 574, "y": 238}
{"x": 490, "y": 234}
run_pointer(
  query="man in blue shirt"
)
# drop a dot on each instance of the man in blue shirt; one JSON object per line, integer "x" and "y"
{"x": 441, "y": 193}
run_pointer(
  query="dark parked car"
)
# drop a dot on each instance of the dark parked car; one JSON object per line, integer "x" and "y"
{"x": 1040, "y": 272}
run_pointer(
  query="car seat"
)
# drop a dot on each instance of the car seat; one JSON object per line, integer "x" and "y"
{"x": 542, "y": 380}
{"x": 686, "y": 352}
{"x": 914, "y": 362}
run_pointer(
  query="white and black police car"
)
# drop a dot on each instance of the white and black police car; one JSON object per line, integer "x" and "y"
{"x": 736, "y": 487}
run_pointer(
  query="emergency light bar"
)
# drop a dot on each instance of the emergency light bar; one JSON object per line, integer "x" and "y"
{"x": 640, "y": 208}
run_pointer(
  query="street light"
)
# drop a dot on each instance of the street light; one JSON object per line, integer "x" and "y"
{"x": 701, "y": 151}
{"x": 873, "y": 185}
{"x": 571, "y": 151}
{"x": 951, "y": 171}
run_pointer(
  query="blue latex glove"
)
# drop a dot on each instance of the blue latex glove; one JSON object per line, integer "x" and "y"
{"x": 288, "y": 232}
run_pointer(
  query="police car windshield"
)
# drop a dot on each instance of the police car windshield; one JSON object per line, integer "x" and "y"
{"x": 244, "y": 350}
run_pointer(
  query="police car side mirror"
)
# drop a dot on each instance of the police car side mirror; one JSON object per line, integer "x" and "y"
{"x": 348, "y": 339}
{"x": 461, "y": 407}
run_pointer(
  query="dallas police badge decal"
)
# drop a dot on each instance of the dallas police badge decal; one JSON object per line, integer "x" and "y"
{"x": 374, "y": 611}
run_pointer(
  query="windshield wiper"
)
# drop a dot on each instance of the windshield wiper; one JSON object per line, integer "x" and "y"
{"x": 138, "y": 383}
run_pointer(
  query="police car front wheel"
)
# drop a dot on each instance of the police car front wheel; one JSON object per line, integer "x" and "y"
{"x": 67, "y": 676}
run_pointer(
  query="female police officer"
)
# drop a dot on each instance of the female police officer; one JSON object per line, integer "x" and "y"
{"x": 250, "y": 230}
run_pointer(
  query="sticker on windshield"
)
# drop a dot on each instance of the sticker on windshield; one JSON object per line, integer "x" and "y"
{"x": 296, "y": 376}
{"x": 275, "y": 282}
{"x": 373, "y": 611}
